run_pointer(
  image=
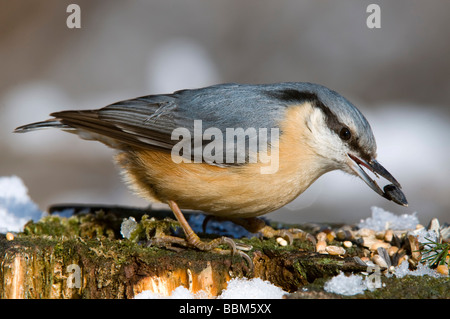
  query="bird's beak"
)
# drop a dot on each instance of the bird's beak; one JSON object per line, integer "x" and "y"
{"x": 391, "y": 192}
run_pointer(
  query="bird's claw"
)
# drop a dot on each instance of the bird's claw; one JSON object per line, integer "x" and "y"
{"x": 239, "y": 248}
{"x": 168, "y": 242}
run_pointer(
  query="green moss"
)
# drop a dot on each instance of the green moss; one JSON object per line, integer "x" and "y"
{"x": 411, "y": 287}
{"x": 272, "y": 245}
{"x": 96, "y": 225}
{"x": 318, "y": 266}
{"x": 300, "y": 270}
{"x": 148, "y": 228}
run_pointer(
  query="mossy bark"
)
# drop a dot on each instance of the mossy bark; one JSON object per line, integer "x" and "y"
{"x": 42, "y": 262}
{"x": 35, "y": 267}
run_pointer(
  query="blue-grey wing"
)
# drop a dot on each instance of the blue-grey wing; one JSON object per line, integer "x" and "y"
{"x": 149, "y": 122}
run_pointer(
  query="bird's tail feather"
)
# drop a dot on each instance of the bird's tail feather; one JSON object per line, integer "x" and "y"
{"x": 41, "y": 125}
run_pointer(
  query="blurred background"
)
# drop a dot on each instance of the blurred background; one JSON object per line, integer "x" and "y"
{"x": 398, "y": 76}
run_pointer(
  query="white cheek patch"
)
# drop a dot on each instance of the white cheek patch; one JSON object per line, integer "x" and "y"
{"x": 324, "y": 141}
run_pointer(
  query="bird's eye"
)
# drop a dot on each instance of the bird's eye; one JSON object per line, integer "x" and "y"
{"x": 345, "y": 134}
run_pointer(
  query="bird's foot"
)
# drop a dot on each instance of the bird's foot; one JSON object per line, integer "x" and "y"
{"x": 177, "y": 244}
{"x": 193, "y": 241}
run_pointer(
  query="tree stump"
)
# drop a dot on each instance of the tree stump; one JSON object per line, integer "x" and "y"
{"x": 84, "y": 256}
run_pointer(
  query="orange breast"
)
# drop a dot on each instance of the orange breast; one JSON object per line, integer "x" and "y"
{"x": 237, "y": 191}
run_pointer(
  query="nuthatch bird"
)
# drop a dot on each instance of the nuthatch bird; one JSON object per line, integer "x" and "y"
{"x": 317, "y": 129}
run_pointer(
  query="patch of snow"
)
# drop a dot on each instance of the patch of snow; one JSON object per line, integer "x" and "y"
{"x": 238, "y": 288}
{"x": 346, "y": 285}
{"x": 16, "y": 207}
{"x": 382, "y": 220}
{"x": 256, "y": 288}
{"x": 127, "y": 227}
{"x": 424, "y": 235}
{"x": 402, "y": 270}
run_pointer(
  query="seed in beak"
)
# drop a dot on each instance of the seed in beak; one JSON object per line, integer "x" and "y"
{"x": 394, "y": 194}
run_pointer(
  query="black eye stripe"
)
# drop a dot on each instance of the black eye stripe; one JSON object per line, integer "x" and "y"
{"x": 294, "y": 96}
